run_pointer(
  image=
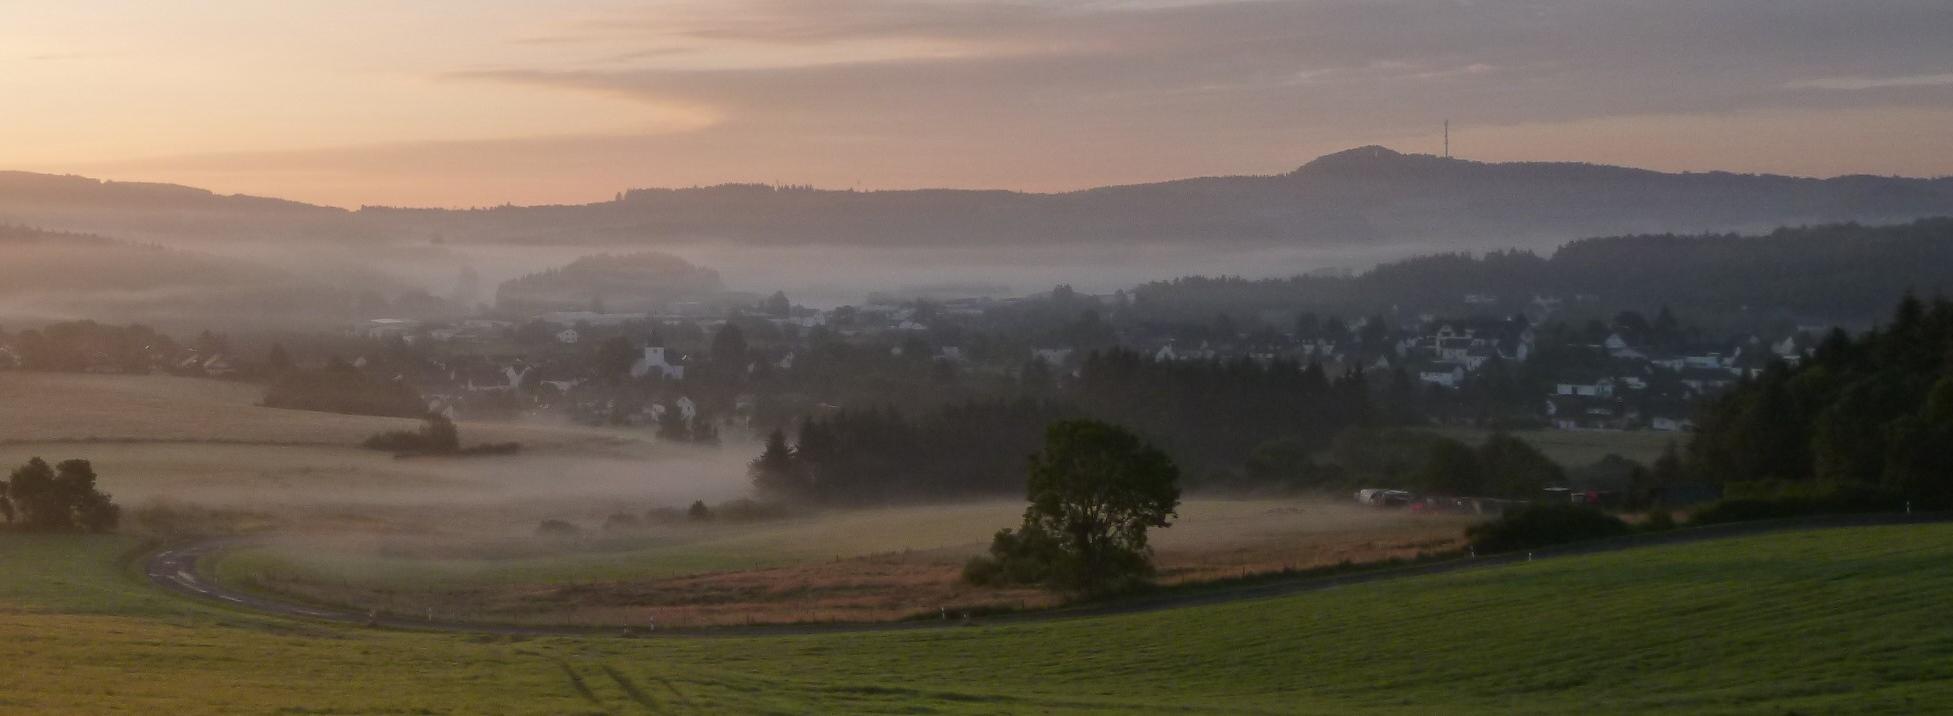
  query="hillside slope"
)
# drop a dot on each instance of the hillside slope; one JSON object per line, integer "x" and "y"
{"x": 1846, "y": 620}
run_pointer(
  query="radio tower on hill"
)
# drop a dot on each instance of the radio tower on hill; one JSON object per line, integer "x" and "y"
{"x": 1447, "y": 139}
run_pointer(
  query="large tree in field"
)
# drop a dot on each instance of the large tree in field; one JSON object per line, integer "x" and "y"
{"x": 1095, "y": 490}
{"x": 60, "y": 498}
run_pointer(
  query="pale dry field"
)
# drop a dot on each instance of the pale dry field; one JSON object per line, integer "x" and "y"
{"x": 77, "y": 407}
{"x": 350, "y": 526}
{"x": 207, "y": 442}
{"x": 859, "y": 565}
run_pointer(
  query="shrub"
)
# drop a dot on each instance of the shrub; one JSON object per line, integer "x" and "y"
{"x": 557, "y": 528}
{"x": 1658, "y": 521}
{"x": 1543, "y": 525}
{"x": 1773, "y": 500}
{"x": 437, "y": 436}
{"x": 1026, "y": 556}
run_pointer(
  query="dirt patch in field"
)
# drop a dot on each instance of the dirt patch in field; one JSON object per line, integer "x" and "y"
{"x": 897, "y": 585}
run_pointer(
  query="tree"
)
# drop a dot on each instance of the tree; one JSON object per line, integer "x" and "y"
{"x": 673, "y": 426}
{"x": 1095, "y": 490}
{"x": 90, "y": 510}
{"x": 776, "y": 305}
{"x": 60, "y": 498}
{"x": 704, "y": 430}
{"x": 1452, "y": 468}
{"x": 1514, "y": 468}
{"x": 615, "y": 356}
{"x": 729, "y": 347}
{"x": 33, "y": 492}
{"x": 698, "y": 512}
{"x": 775, "y": 471}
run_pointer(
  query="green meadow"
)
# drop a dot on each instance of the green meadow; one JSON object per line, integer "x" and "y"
{"x": 1847, "y": 620}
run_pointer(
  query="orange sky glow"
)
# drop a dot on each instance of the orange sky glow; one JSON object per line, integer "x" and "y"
{"x": 485, "y": 102}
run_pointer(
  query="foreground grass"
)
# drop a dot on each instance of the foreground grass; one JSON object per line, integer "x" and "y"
{"x": 1832, "y": 621}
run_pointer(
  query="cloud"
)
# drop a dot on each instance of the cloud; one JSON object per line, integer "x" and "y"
{"x": 1213, "y": 67}
{"x": 1864, "y": 83}
{"x": 1046, "y": 94}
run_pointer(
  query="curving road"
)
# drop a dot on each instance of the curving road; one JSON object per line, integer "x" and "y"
{"x": 175, "y": 569}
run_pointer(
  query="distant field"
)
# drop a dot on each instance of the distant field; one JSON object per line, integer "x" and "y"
{"x": 844, "y": 565}
{"x": 207, "y": 441}
{"x": 77, "y": 407}
{"x": 1818, "y": 622}
{"x": 1577, "y": 448}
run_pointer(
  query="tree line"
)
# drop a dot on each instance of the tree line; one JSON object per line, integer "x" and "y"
{"x": 1872, "y": 412}
{"x": 1839, "y": 272}
{"x": 1211, "y": 414}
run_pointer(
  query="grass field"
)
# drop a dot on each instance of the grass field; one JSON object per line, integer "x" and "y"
{"x": 1844, "y": 621}
{"x": 1579, "y": 448}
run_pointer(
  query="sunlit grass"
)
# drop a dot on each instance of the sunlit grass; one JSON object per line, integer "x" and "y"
{"x": 1831, "y": 621}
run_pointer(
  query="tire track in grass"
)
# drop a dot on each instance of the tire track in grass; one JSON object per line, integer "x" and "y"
{"x": 684, "y": 702}
{"x": 631, "y": 689}
{"x": 576, "y": 682}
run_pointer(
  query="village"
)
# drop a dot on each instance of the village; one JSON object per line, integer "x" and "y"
{"x": 1626, "y": 374}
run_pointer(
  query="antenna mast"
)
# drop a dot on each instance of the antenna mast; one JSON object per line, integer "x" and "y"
{"x": 1447, "y": 139}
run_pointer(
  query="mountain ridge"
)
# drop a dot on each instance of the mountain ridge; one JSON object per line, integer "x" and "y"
{"x": 1364, "y": 195}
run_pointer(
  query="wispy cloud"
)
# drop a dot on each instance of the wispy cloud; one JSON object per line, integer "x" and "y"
{"x": 1051, "y": 93}
{"x": 1864, "y": 83}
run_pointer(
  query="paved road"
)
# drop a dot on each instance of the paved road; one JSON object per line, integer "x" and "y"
{"x": 175, "y": 569}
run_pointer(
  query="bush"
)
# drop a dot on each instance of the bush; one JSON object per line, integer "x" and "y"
{"x": 437, "y": 436}
{"x": 1026, "y": 556}
{"x": 1543, "y": 525}
{"x": 557, "y": 528}
{"x": 1775, "y": 500}
{"x": 1659, "y": 521}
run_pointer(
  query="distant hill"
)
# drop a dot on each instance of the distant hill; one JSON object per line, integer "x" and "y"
{"x": 1368, "y": 195}
{"x": 57, "y": 275}
{"x": 1843, "y": 273}
{"x": 147, "y": 211}
{"x": 631, "y": 283}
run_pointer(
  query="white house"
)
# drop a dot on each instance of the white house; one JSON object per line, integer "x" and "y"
{"x": 1667, "y": 424}
{"x": 1602, "y": 388}
{"x": 654, "y": 360}
{"x": 1446, "y": 377}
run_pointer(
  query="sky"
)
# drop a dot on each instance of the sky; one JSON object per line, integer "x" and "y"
{"x": 483, "y": 102}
